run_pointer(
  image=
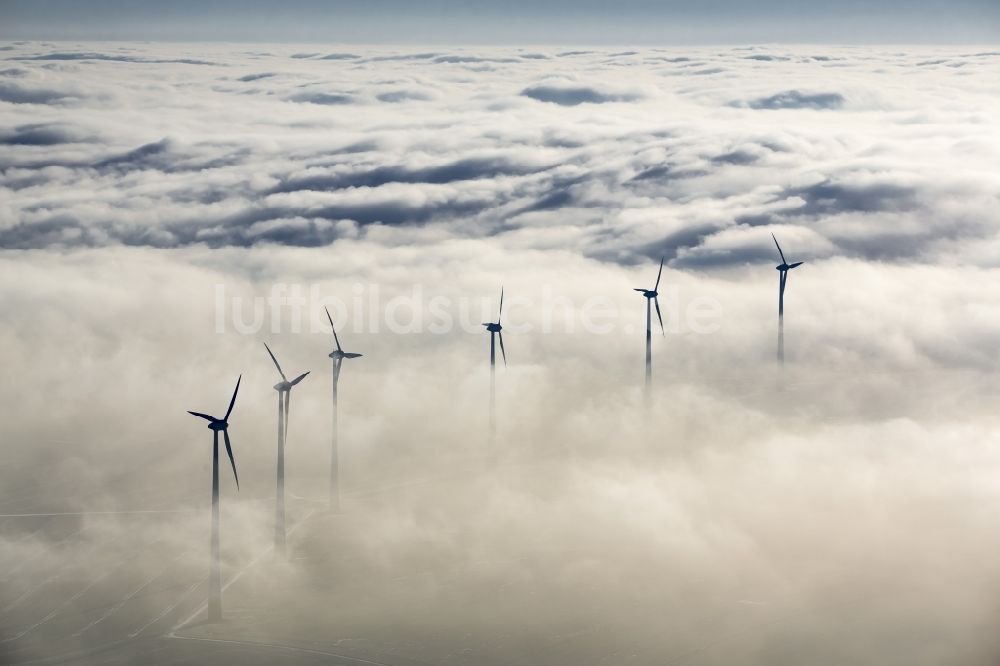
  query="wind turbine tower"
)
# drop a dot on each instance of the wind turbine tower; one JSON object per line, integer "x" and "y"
{"x": 217, "y": 425}
{"x": 284, "y": 389}
{"x": 782, "y": 269}
{"x": 652, "y": 298}
{"x": 338, "y": 355}
{"x": 495, "y": 330}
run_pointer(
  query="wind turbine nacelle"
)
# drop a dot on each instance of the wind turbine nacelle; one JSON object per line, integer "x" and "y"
{"x": 282, "y": 386}
{"x": 493, "y": 328}
{"x": 218, "y": 425}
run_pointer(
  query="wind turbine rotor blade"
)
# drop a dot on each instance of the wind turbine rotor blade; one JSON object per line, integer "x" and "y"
{"x": 639, "y": 290}
{"x": 658, "y": 275}
{"x": 656, "y": 301}
{"x": 500, "y": 313}
{"x": 232, "y": 461}
{"x": 204, "y": 416}
{"x": 779, "y": 250}
{"x": 275, "y": 362}
{"x": 797, "y": 263}
{"x": 233, "y": 400}
{"x": 333, "y": 327}
{"x": 502, "y": 352}
{"x": 351, "y": 355}
{"x": 299, "y": 378}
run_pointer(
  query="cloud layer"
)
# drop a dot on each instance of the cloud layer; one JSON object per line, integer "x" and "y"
{"x": 844, "y": 148}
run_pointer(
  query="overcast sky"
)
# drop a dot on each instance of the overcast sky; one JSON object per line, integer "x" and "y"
{"x": 509, "y": 21}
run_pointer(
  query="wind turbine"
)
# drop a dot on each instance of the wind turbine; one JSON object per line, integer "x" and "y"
{"x": 214, "y": 575}
{"x": 783, "y": 271}
{"x": 495, "y": 330}
{"x": 338, "y": 355}
{"x": 652, "y": 297}
{"x": 284, "y": 389}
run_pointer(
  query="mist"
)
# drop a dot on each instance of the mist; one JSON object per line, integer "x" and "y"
{"x": 156, "y": 233}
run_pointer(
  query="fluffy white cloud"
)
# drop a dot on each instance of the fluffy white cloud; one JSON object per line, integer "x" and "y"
{"x": 883, "y": 153}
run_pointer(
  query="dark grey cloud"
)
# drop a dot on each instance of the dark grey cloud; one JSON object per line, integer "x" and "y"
{"x": 560, "y": 197}
{"x": 340, "y": 56}
{"x": 707, "y": 71}
{"x": 364, "y": 146}
{"x": 736, "y": 157}
{"x": 460, "y": 170}
{"x": 147, "y": 156}
{"x": 666, "y": 172}
{"x": 393, "y": 96}
{"x": 763, "y": 57}
{"x": 831, "y": 198}
{"x": 462, "y": 59}
{"x": 672, "y": 245}
{"x": 794, "y": 99}
{"x": 403, "y": 57}
{"x": 300, "y": 225}
{"x": 42, "y": 134}
{"x": 324, "y": 98}
{"x": 674, "y": 248}
{"x": 32, "y": 179}
{"x": 163, "y": 156}
{"x": 18, "y": 94}
{"x": 167, "y": 157}
{"x": 257, "y": 77}
{"x": 113, "y": 57}
{"x": 574, "y": 95}
{"x": 239, "y": 230}
{"x": 61, "y": 230}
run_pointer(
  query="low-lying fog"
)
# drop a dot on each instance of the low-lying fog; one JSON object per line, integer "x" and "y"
{"x": 173, "y": 208}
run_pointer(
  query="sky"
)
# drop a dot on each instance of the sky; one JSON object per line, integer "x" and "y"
{"x": 645, "y": 22}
